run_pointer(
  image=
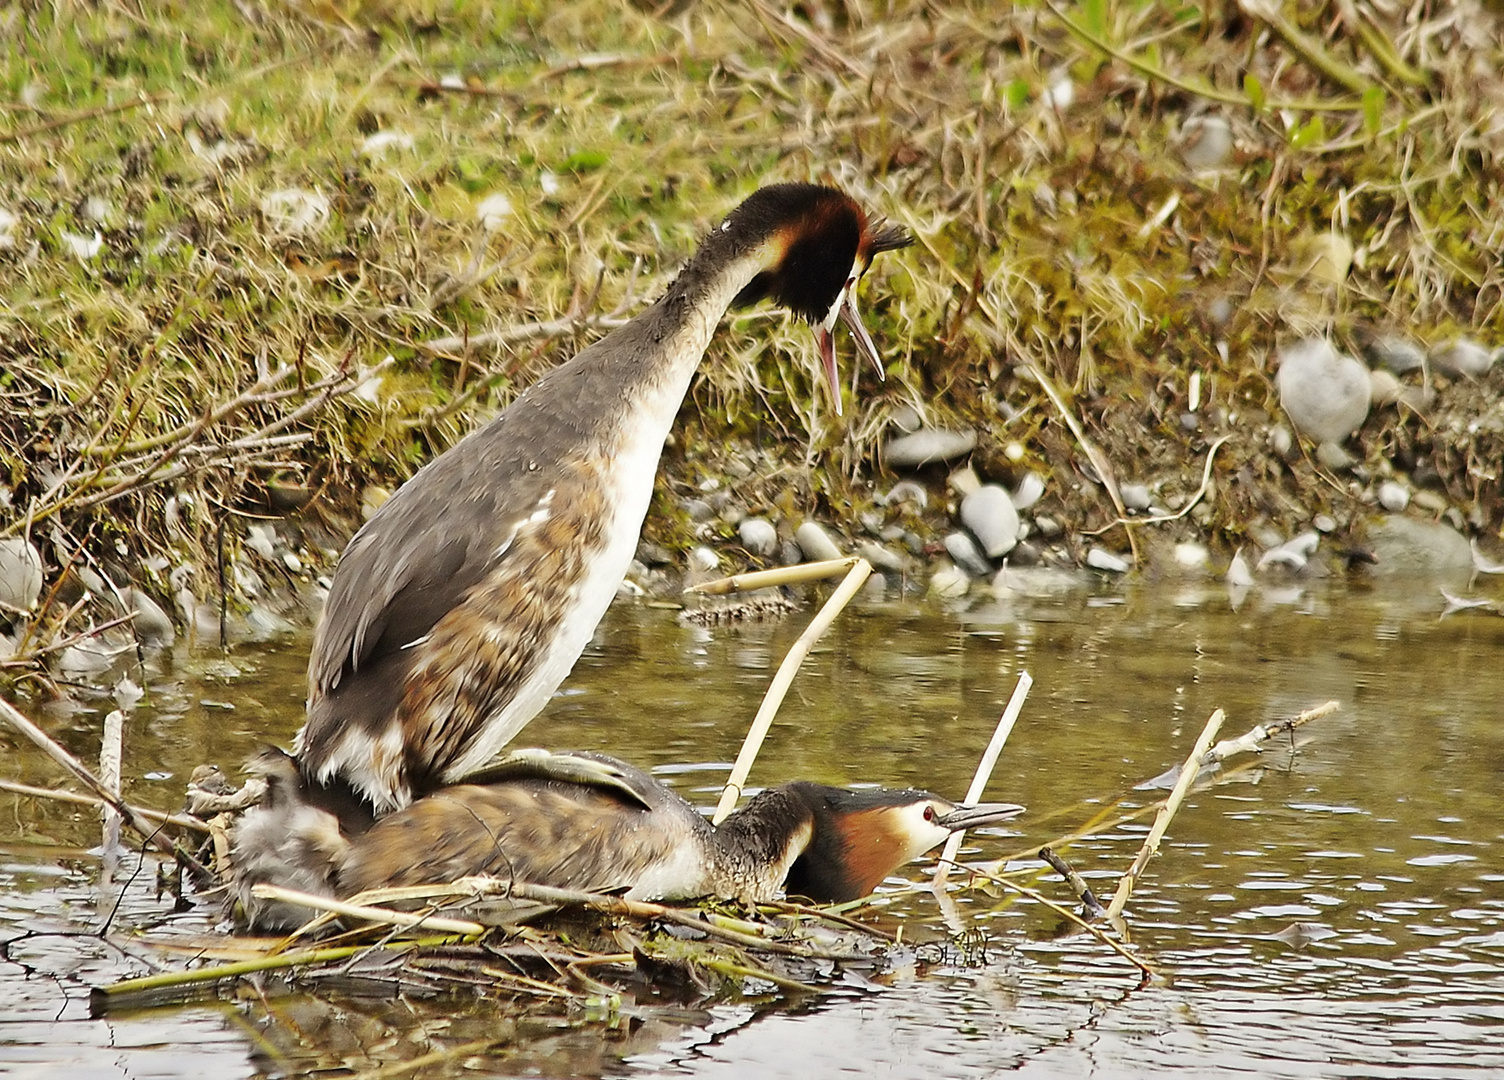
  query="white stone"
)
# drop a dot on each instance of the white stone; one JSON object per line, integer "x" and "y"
{"x": 1030, "y": 491}
{"x": 20, "y": 574}
{"x": 931, "y": 444}
{"x": 989, "y": 513}
{"x": 816, "y": 543}
{"x": 1102, "y": 559}
{"x": 1325, "y": 394}
{"x": 758, "y": 536}
{"x": 1393, "y": 496}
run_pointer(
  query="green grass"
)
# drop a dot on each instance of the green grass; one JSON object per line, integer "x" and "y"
{"x": 163, "y": 128}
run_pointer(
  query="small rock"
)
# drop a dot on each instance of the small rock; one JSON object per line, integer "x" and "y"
{"x": 1135, "y": 496}
{"x": 1404, "y": 546}
{"x": 654, "y": 554}
{"x": 1325, "y": 394}
{"x": 1334, "y": 457}
{"x": 732, "y": 514}
{"x": 1324, "y": 523}
{"x": 1205, "y": 142}
{"x": 906, "y": 419}
{"x": 1040, "y": 582}
{"x": 1281, "y": 441}
{"x": 151, "y": 625}
{"x": 964, "y": 550}
{"x": 20, "y": 574}
{"x": 789, "y": 553}
{"x": 1383, "y": 387}
{"x": 989, "y": 513}
{"x": 949, "y": 582}
{"x": 1048, "y": 527}
{"x": 963, "y": 481}
{"x": 1462, "y": 356}
{"x": 1393, "y": 353}
{"x": 1191, "y": 555}
{"x": 702, "y": 560}
{"x": 1238, "y": 574}
{"x": 880, "y": 557}
{"x": 1432, "y": 502}
{"x": 816, "y": 543}
{"x": 698, "y": 510}
{"x": 1393, "y": 496}
{"x": 758, "y": 536}
{"x": 1102, "y": 559}
{"x": 906, "y": 491}
{"x": 927, "y": 445}
{"x": 1030, "y": 491}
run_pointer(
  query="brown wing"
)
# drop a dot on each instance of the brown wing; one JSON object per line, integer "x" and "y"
{"x": 565, "y": 835}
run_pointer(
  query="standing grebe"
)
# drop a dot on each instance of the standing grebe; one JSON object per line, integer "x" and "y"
{"x": 467, "y": 598}
{"x": 590, "y": 822}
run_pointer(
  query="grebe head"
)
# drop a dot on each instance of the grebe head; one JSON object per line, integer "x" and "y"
{"x": 860, "y": 837}
{"x": 823, "y": 242}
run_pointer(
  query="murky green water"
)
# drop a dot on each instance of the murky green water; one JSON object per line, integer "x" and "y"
{"x": 1335, "y": 910}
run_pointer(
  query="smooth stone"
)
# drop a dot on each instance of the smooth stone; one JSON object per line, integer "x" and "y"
{"x": 1238, "y": 574}
{"x": 1048, "y": 527}
{"x": 816, "y": 543}
{"x": 949, "y": 582}
{"x": 1135, "y": 496}
{"x": 880, "y": 557}
{"x": 262, "y": 539}
{"x": 732, "y": 514}
{"x": 1030, "y": 490}
{"x": 1462, "y": 356}
{"x": 1191, "y": 555}
{"x": 963, "y": 481}
{"x": 906, "y": 491}
{"x": 1038, "y": 582}
{"x": 1205, "y": 142}
{"x": 927, "y": 445}
{"x": 906, "y": 419}
{"x": 1404, "y": 546}
{"x": 152, "y": 626}
{"x": 20, "y": 574}
{"x": 1383, "y": 387}
{"x": 1325, "y": 394}
{"x": 1107, "y": 561}
{"x": 702, "y": 560}
{"x": 758, "y": 536}
{"x": 1394, "y": 353}
{"x": 1432, "y": 502}
{"x": 967, "y": 555}
{"x": 789, "y": 553}
{"x": 1393, "y": 496}
{"x": 990, "y": 515}
{"x": 1332, "y": 456}
{"x": 698, "y": 510}
{"x": 1324, "y": 523}
{"x": 654, "y": 554}
{"x": 1281, "y": 441}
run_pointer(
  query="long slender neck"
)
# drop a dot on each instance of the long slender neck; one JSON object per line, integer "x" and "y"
{"x": 751, "y": 852}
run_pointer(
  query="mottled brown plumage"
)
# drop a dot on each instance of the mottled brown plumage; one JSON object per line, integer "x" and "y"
{"x": 589, "y": 822}
{"x": 463, "y": 603}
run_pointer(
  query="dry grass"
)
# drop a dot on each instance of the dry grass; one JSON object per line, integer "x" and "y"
{"x": 210, "y": 358}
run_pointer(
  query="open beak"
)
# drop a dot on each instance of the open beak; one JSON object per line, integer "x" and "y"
{"x": 844, "y": 310}
{"x": 971, "y": 817}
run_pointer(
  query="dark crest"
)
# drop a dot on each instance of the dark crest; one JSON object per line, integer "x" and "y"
{"x": 823, "y": 232}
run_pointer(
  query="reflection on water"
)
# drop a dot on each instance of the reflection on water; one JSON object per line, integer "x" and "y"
{"x": 1332, "y": 909}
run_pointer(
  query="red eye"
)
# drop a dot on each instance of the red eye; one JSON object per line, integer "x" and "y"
{"x": 929, "y": 813}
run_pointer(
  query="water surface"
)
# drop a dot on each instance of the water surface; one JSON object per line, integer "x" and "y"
{"x": 1331, "y": 909}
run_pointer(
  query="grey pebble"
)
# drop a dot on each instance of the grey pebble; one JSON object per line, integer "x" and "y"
{"x": 949, "y": 581}
{"x": 906, "y": 492}
{"x": 1334, "y": 457}
{"x": 1325, "y": 394}
{"x": 930, "y": 444}
{"x": 880, "y": 557}
{"x": 1393, "y": 496}
{"x": 906, "y": 419}
{"x": 702, "y": 560}
{"x": 1394, "y": 353}
{"x": 1404, "y": 546}
{"x": 20, "y": 574}
{"x": 698, "y": 510}
{"x": 968, "y": 557}
{"x": 1030, "y": 490}
{"x": 1102, "y": 559}
{"x": 151, "y": 624}
{"x": 816, "y": 543}
{"x": 989, "y": 513}
{"x": 1135, "y": 496}
{"x": 1048, "y": 527}
{"x": 758, "y": 536}
{"x": 1462, "y": 356}
{"x": 1205, "y": 142}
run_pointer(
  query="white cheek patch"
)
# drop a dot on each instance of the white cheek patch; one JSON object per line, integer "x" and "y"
{"x": 834, "y": 314}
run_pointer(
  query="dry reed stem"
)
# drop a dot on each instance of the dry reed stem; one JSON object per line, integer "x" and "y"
{"x": 985, "y": 766}
{"x": 796, "y": 574}
{"x": 1166, "y": 812}
{"x": 856, "y": 577}
{"x": 182, "y": 821}
{"x": 404, "y": 920}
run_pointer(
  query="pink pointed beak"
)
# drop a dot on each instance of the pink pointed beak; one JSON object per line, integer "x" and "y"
{"x": 825, "y": 339}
